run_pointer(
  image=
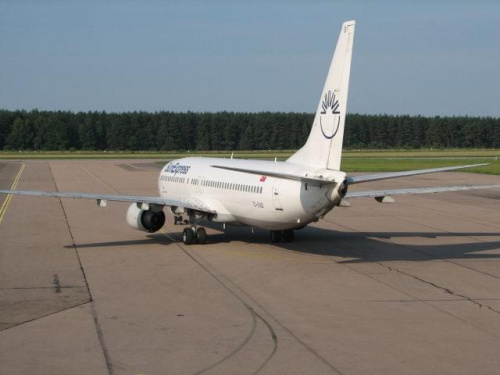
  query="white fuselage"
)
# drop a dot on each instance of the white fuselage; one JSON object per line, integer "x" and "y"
{"x": 250, "y": 199}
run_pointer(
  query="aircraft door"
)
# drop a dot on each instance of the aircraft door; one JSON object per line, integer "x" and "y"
{"x": 276, "y": 195}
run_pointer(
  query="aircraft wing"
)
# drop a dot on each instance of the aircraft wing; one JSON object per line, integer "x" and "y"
{"x": 385, "y": 176}
{"x": 388, "y": 192}
{"x": 192, "y": 204}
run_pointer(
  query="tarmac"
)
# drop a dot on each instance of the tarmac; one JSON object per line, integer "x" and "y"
{"x": 411, "y": 287}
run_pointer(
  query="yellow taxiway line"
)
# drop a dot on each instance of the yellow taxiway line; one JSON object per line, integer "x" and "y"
{"x": 6, "y": 202}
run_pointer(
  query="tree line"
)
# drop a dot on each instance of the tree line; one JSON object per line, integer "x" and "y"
{"x": 173, "y": 131}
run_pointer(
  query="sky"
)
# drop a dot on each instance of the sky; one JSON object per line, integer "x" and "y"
{"x": 410, "y": 57}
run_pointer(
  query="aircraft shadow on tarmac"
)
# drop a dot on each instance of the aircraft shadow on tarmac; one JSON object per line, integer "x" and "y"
{"x": 357, "y": 247}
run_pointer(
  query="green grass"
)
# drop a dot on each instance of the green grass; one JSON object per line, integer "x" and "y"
{"x": 353, "y": 160}
{"x": 452, "y": 153}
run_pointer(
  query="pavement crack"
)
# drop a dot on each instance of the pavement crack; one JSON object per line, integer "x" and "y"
{"x": 220, "y": 279}
{"x": 43, "y": 316}
{"x": 255, "y": 315}
{"x": 42, "y": 287}
{"x": 400, "y": 290}
{"x": 445, "y": 290}
{"x": 92, "y": 305}
{"x": 431, "y": 256}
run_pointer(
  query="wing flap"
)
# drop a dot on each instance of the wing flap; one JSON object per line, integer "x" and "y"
{"x": 389, "y": 192}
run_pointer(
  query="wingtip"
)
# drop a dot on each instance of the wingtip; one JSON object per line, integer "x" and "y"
{"x": 472, "y": 165}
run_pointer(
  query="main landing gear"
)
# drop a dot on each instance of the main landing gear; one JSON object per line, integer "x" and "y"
{"x": 192, "y": 234}
{"x": 282, "y": 235}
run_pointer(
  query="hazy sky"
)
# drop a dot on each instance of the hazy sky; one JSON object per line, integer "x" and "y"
{"x": 416, "y": 57}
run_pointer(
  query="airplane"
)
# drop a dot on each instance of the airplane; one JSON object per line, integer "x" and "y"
{"x": 272, "y": 195}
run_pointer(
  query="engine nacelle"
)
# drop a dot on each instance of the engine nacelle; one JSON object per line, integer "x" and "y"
{"x": 338, "y": 192}
{"x": 145, "y": 220}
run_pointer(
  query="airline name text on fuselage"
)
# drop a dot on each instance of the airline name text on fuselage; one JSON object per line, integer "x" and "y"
{"x": 177, "y": 168}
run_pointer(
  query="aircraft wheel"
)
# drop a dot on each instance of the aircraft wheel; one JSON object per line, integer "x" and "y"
{"x": 288, "y": 235}
{"x": 187, "y": 236}
{"x": 201, "y": 234}
{"x": 275, "y": 236}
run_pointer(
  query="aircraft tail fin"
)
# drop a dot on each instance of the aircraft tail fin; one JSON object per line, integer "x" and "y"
{"x": 323, "y": 148}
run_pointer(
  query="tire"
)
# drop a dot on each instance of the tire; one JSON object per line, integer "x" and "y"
{"x": 201, "y": 235}
{"x": 187, "y": 236}
{"x": 289, "y": 235}
{"x": 275, "y": 236}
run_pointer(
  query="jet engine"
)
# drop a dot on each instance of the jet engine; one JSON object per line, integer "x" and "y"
{"x": 150, "y": 220}
{"x": 338, "y": 192}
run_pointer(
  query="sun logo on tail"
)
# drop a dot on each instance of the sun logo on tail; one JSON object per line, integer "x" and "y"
{"x": 329, "y": 118}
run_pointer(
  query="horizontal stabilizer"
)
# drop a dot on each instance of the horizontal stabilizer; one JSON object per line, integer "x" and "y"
{"x": 287, "y": 176}
{"x": 388, "y": 192}
{"x": 386, "y": 176}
